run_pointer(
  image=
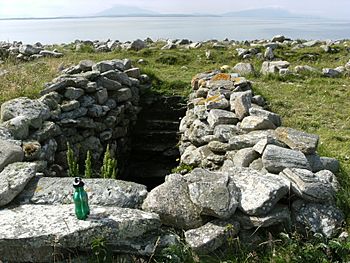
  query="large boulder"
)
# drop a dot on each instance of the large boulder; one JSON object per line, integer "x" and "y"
{"x": 54, "y": 231}
{"x": 250, "y": 139}
{"x": 318, "y": 218}
{"x": 35, "y": 111}
{"x": 9, "y": 153}
{"x": 171, "y": 201}
{"x": 13, "y": 179}
{"x": 104, "y": 192}
{"x": 244, "y": 68}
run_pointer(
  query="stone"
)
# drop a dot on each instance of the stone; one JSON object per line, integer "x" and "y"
{"x": 69, "y": 105}
{"x": 259, "y": 192}
{"x": 55, "y": 230}
{"x": 318, "y": 218}
{"x": 280, "y": 214}
{"x": 74, "y": 114}
{"x": 49, "y": 53}
{"x": 103, "y": 192}
{"x": 278, "y": 38}
{"x": 133, "y": 72}
{"x": 123, "y": 94}
{"x": 103, "y": 66}
{"x": 217, "y": 102}
{"x": 273, "y": 117}
{"x": 34, "y": 110}
{"x": 172, "y": 203}
{"x": 32, "y": 150}
{"x": 110, "y": 85}
{"x": 13, "y": 179}
{"x": 191, "y": 156}
{"x": 197, "y": 132}
{"x": 244, "y": 68}
{"x": 211, "y": 236}
{"x": 85, "y": 65}
{"x": 48, "y": 151}
{"x": 268, "y": 54}
{"x": 47, "y": 131}
{"x": 225, "y": 132}
{"x": 276, "y": 158}
{"x": 330, "y": 73}
{"x": 28, "y": 50}
{"x": 18, "y": 127}
{"x": 250, "y": 139}
{"x": 251, "y": 123}
{"x": 309, "y": 186}
{"x": 217, "y": 116}
{"x": 269, "y": 67}
{"x": 218, "y": 147}
{"x": 120, "y": 77}
{"x": 330, "y": 164}
{"x": 244, "y": 157}
{"x": 302, "y": 69}
{"x": 217, "y": 196}
{"x": 240, "y": 103}
{"x": 311, "y": 43}
{"x": 298, "y": 140}
{"x": 72, "y": 93}
{"x": 9, "y": 153}
{"x": 137, "y": 45}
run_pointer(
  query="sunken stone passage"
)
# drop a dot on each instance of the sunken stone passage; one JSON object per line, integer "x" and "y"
{"x": 90, "y": 105}
{"x": 249, "y": 171}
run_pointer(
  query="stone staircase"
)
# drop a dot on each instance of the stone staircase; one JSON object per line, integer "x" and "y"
{"x": 154, "y": 139}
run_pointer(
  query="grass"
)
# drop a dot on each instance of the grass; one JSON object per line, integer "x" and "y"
{"x": 311, "y": 103}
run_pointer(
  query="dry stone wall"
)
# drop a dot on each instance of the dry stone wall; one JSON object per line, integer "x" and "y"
{"x": 90, "y": 105}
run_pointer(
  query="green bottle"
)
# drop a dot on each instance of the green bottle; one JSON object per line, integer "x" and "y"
{"x": 80, "y": 198}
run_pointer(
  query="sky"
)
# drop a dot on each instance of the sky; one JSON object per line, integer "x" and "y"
{"x": 54, "y": 8}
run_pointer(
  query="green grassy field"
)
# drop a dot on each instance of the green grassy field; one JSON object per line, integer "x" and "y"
{"x": 311, "y": 103}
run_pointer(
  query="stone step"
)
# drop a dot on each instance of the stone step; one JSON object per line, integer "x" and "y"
{"x": 54, "y": 231}
{"x": 161, "y": 113}
{"x": 142, "y": 136}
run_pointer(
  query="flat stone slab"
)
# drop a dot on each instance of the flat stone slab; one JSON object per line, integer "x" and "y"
{"x": 276, "y": 158}
{"x": 13, "y": 179}
{"x": 105, "y": 192}
{"x": 298, "y": 140}
{"x": 35, "y": 233}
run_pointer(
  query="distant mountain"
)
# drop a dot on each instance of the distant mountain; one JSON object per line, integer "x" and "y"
{"x": 263, "y": 13}
{"x": 123, "y": 10}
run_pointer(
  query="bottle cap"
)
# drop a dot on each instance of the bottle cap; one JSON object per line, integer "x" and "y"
{"x": 78, "y": 182}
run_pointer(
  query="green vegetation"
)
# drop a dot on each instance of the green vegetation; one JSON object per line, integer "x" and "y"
{"x": 309, "y": 102}
{"x": 88, "y": 168}
{"x": 73, "y": 165}
{"x": 109, "y": 166}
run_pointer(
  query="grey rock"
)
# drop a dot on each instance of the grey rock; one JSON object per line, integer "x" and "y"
{"x": 276, "y": 158}
{"x": 241, "y": 52}
{"x": 47, "y": 131}
{"x": 48, "y": 151}
{"x": 69, "y": 105}
{"x": 86, "y": 101}
{"x": 280, "y": 214}
{"x": 72, "y": 93}
{"x": 244, "y": 157}
{"x": 244, "y": 68}
{"x": 5, "y": 134}
{"x": 330, "y": 73}
{"x": 191, "y": 156}
{"x": 311, "y": 43}
{"x": 172, "y": 203}
{"x": 251, "y": 123}
{"x": 225, "y": 132}
{"x": 318, "y": 218}
{"x": 197, "y": 132}
{"x": 9, "y": 153}
{"x": 96, "y": 111}
{"x": 211, "y": 236}
{"x": 309, "y": 186}
{"x": 123, "y": 94}
{"x": 55, "y": 229}
{"x": 137, "y": 45}
{"x": 273, "y": 117}
{"x": 74, "y": 114}
{"x": 268, "y": 54}
{"x": 101, "y": 96}
{"x": 133, "y": 72}
{"x": 259, "y": 192}
{"x": 33, "y": 110}
{"x": 49, "y": 53}
{"x": 13, "y": 179}
{"x": 249, "y": 139}
{"x": 269, "y": 67}
{"x": 109, "y": 84}
{"x": 218, "y": 147}
{"x": 120, "y": 77}
{"x": 103, "y": 66}
{"x": 298, "y": 140}
{"x": 217, "y": 116}
{"x": 28, "y": 50}
{"x": 169, "y": 46}
{"x": 330, "y": 164}
{"x": 51, "y": 100}
{"x": 18, "y": 127}
{"x": 217, "y": 196}
{"x": 217, "y": 102}
{"x": 278, "y": 38}
{"x": 304, "y": 69}
{"x": 240, "y": 103}
{"x": 103, "y": 192}
{"x": 85, "y": 65}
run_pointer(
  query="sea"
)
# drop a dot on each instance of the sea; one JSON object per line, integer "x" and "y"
{"x": 50, "y": 31}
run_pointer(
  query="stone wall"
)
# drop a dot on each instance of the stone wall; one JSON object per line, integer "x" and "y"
{"x": 90, "y": 105}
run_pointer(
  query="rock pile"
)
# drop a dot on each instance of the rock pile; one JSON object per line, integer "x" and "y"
{"x": 26, "y": 52}
{"x": 249, "y": 169}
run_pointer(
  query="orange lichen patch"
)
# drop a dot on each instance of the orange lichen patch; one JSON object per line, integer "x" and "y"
{"x": 214, "y": 98}
{"x": 38, "y": 189}
{"x": 221, "y": 76}
{"x": 202, "y": 83}
{"x": 239, "y": 79}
